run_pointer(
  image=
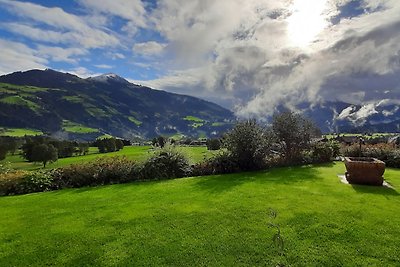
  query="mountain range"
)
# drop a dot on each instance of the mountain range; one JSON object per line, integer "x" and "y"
{"x": 339, "y": 117}
{"x": 68, "y": 106}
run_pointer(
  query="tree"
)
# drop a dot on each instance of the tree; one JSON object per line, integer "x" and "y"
{"x": 44, "y": 153}
{"x": 213, "y": 144}
{"x": 3, "y": 151}
{"x": 161, "y": 141}
{"x": 249, "y": 144}
{"x": 83, "y": 148}
{"x": 110, "y": 144}
{"x": 293, "y": 132}
{"x": 119, "y": 144}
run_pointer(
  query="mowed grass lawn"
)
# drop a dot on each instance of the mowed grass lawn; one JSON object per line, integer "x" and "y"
{"x": 139, "y": 153}
{"x": 215, "y": 221}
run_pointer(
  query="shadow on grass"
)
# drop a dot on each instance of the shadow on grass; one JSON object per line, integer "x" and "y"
{"x": 381, "y": 190}
{"x": 284, "y": 175}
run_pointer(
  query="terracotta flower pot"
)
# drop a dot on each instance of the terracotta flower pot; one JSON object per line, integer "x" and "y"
{"x": 366, "y": 171}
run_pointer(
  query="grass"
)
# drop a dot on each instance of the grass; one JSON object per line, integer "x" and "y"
{"x": 20, "y": 101}
{"x": 216, "y": 124}
{"x": 193, "y": 119}
{"x": 135, "y": 121}
{"x": 214, "y": 221}
{"x": 74, "y": 99}
{"x": 73, "y": 127}
{"x": 12, "y": 88}
{"x": 139, "y": 153}
{"x": 19, "y": 132}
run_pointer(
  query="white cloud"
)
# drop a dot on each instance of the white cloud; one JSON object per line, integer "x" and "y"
{"x": 149, "y": 48}
{"x": 242, "y": 50}
{"x": 66, "y": 27}
{"x": 17, "y": 56}
{"x": 132, "y": 10}
{"x": 104, "y": 66}
{"x": 59, "y": 54}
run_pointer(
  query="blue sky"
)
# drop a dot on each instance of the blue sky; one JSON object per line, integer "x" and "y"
{"x": 248, "y": 55}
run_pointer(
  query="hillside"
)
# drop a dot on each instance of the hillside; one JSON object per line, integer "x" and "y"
{"x": 68, "y": 106}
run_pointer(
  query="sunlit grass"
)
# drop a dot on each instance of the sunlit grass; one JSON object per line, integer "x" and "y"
{"x": 214, "y": 221}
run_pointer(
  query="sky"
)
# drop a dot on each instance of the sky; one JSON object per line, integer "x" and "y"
{"x": 249, "y": 56}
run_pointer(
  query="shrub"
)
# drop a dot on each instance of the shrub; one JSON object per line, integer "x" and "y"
{"x": 167, "y": 162}
{"x": 393, "y": 160}
{"x": 220, "y": 163}
{"x": 384, "y": 152}
{"x": 107, "y": 170}
{"x": 23, "y": 182}
{"x": 10, "y": 182}
{"x": 294, "y": 133}
{"x": 213, "y": 144}
{"x": 249, "y": 144}
{"x": 324, "y": 152}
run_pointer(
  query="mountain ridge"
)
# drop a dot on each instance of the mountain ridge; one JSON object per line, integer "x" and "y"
{"x": 107, "y": 102}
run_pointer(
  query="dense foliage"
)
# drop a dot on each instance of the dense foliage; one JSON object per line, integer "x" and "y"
{"x": 294, "y": 133}
{"x": 249, "y": 144}
{"x": 106, "y": 145}
{"x": 385, "y": 152}
{"x": 213, "y": 144}
{"x": 167, "y": 162}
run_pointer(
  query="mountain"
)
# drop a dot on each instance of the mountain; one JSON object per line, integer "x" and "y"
{"x": 378, "y": 116}
{"x": 69, "y": 106}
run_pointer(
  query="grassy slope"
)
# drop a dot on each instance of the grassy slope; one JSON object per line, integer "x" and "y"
{"x": 216, "y": 220}
{"x": 139, "y": 153}
{"x": 20, "y": 132}
{"x": 73, "y": 127}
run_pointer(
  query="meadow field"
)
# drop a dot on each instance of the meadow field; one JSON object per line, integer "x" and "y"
{"x": 139, "y": 153}
{"x": 217, "y": 220}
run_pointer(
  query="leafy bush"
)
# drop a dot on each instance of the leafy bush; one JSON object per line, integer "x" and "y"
{"x": 107, "y": 170}
{"x": 393, "y": 160}
{"x": 324, "y": 152}
{"x": 249, "y": 144}
{"x": 294, "y": 133}
{"x": 220, "y": 163}
{"x": 10, "y": 182}
{"x": 385, "y": 152}
{"x": 213, "y": 144}
{"x": 22, "y": 182}
{"x": 167, "y": 162}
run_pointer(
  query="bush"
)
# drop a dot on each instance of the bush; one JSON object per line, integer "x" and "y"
{"x": 107, "y": 170}
{"x": 220, "y": 163}
{"x": 10, "y": 182}
{"x": 213, "y": 144}
{"x": 167, "y": 162}
{"x": 384, "y": 152}
{"x": 22, "y": 182}
{"x": 294, "y": 133}
{"x": 324, "y": 152}
{"x": 393, "y": 160}
{"x": 249, "y": 144}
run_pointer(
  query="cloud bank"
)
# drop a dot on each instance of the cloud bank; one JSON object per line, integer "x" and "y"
{"x": 249, "y": 55}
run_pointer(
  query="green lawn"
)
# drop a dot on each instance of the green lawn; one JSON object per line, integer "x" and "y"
{"x": 139, "y": 153}
{"x": 214, "y": 221}
{"x": 19, "y": 132}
